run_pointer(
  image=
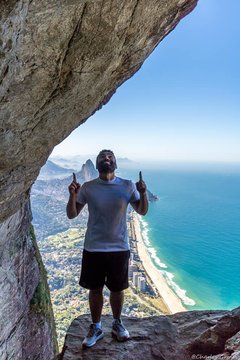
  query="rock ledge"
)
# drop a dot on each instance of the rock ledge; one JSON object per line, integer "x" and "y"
{"x": 187, "y": 335}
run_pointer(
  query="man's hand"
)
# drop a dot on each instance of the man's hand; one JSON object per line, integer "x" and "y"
{"x": 74, "y": 186}
{"x": 141, "y": 205}
{"x": 73, "y": 207}
{"x": 141, "y": 186}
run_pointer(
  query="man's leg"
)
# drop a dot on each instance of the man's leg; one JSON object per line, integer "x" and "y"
{"x": 96, "y": 304}
{"x": 95, "y": 332}
{"x": 117, "y": 281}
{"x": 118, "y": 329}
{"x": 116, "y": 301}
{"x": 93, "y": 277}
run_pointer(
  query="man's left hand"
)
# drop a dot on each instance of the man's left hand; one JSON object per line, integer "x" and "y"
{"x": 141, "y": 186}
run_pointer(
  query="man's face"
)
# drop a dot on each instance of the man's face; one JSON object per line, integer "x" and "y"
{"x": 106, "y": 162}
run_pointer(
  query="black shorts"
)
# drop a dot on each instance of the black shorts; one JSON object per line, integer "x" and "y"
{"x": 105, "y": 268}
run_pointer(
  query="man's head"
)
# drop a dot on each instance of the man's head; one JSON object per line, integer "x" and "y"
{"x": 106, "y": 161}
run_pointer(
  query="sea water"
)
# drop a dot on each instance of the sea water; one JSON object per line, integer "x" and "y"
{"x": 193, "y": 234}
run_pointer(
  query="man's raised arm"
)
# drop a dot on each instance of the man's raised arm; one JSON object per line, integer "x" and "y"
{"x": 141, "y": 206}
{"x": 73, "y": 207}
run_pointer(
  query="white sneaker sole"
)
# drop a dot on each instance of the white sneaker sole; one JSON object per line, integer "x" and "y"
{"x": 86, "y": 346}
{"x": 123, "y": 338}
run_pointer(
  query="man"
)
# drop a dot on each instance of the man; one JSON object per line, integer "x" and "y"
{"x": 106, "y": 247}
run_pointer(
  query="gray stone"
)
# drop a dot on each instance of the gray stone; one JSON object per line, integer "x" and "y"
{"x": 171, "y": 337}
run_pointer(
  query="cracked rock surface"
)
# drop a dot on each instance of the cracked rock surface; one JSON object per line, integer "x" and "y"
{"x": 183, "y": 336}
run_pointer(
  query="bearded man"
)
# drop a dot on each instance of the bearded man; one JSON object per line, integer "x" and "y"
{"x": 106, "y": 249}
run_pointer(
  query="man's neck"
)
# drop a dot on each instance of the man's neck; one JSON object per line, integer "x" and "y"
{"x": 107, "y": 176}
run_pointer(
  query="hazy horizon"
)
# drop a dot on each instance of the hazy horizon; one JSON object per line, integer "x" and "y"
{"x": 76, "y": 161}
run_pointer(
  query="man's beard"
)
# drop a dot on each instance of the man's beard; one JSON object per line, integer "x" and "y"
{"x": 104, "y": 167}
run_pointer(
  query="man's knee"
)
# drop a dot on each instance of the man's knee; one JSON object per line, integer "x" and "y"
{"x": 96, "y": 291}
{"x": 118, "y": 292}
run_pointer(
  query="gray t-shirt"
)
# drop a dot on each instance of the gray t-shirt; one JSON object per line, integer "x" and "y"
{"x": 107, "y": 205}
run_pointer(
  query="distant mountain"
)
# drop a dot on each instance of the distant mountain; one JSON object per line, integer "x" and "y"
{"x": 151, "y": 197}
{"x": 51, "y": 170}
{"x": 71, "y": 162}
{"x": 88, "y": 171}
{"x": 124, "y": 160}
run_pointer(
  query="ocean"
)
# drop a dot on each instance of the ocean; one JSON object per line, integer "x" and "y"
{"x": 193, "y": 233}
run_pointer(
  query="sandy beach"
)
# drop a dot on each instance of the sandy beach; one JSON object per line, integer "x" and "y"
{"x": 171, "y": 300}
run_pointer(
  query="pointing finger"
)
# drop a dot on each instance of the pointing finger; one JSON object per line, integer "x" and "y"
{"x": 74, "y": 177}
{"x": 140, "y": 175}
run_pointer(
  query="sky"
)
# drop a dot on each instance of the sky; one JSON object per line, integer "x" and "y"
{"x": 184, "y": 102}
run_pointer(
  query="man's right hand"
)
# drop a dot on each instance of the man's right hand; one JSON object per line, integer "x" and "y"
{"x": 74, "y": 186}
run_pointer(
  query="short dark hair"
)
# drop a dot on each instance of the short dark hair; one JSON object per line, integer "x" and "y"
{"x": 102, "y": 151}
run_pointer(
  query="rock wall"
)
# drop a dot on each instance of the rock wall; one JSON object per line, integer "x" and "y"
{"x": 60, "y": 61}
{"x": 26, "y": 321}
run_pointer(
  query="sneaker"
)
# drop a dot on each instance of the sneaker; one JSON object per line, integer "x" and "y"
{"x": 92, "y": 337}
{"x": 119, "y": 331}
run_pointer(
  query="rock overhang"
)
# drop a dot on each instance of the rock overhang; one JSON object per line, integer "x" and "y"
{"x": 60, "y": 62}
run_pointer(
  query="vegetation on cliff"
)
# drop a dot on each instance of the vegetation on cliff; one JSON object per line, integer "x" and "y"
{"x": 41, "y": 300}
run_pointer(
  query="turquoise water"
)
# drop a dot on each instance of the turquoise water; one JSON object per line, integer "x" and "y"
{"x": 193, "y": 234}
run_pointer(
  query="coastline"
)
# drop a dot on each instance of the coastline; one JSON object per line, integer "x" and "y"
{"x": 171, "y": 300}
